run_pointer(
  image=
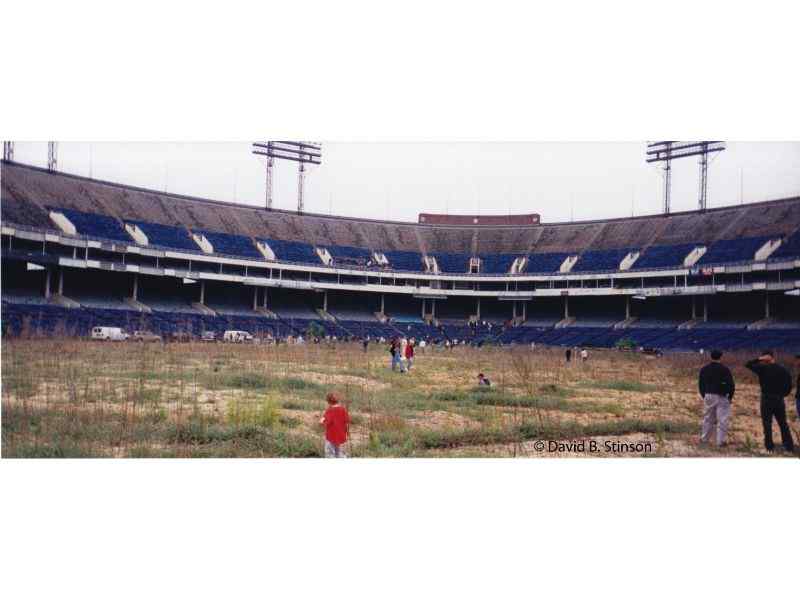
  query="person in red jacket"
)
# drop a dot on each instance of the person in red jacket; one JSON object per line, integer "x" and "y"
{"x": 410, "y": 354}
{"x": 336, "y": 421}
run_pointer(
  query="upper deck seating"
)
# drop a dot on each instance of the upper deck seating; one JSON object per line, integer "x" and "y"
{"x": 545, "y": 263}
{"x": 404, "y": 260}
{"x": 167, "y": 236}
{"x": 298, "y": 252}
{"x": 659, "y": 257}
{"x": 790, "y": 248}
{"x": 94, "y": 225}
{"x": 350, "y": 256}
{"x": 235, "y": 245}
{"x": 728, "y": 251}
{"x": 497, "y": 263}
{"x": 452, "y": 263}
{"x": 601, "y": 260}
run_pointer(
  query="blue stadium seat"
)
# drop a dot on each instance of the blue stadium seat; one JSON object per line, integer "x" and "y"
{"x": 730, "y": 251}
{"x": 497, "y": 263}
{"x": 601, "y": 260}
{"x": 546, "y": 262}
{"x": 790, "y": 248}
{"x": 235, "y": 245}
{"x": 350, "y": 256}
{"x": 403, "y": 260}
{"x": 658, "y": 257}
{"x": 452, "y": 263}
{"x": 296, "y": 252}
{"x": 93, "y": 225}
{"x": 167, "y": 236}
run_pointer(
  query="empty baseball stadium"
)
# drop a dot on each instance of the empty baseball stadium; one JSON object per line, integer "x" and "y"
{"x": 725, "y": 276}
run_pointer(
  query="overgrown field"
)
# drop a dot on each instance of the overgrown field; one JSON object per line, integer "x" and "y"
{"x": 69, "y": 398}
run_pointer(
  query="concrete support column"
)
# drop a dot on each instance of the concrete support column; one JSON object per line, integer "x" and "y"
{"x": 566, "y": 307}
{"x": 60, "y": 281}
{"x": 433, "y": 308}
{"x": 383, "y": 312}
{"x": 627, "y": 307}
{"x": 47, "y": 283}
{"x": 705, "y": 309}
{"x": 694, "y": 307}
{"x": 524, "y": 310}
{"x": 766, "y": 306}
{"x": 255, "y": 298}
{"x": 325, "y": 301}
{"x": 135, "y": 294}
{"x": 514, "y": 309}
{"x": 202, "y": 292}
{"x": 478, "y": 309}
{"x": 265, "y": 297}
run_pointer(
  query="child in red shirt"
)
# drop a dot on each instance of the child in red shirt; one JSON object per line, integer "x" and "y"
{"x": 336, "y": 421}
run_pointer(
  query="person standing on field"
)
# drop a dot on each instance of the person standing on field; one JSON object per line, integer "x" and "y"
{"x": 336, "y": 421}
{"x": 410, "y": 354}
{"x": 776, "y": 383}
{"x": 394, "y": 351}
{"x": 716, "y": 387}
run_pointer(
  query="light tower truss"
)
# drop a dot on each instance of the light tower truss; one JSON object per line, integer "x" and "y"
{"x": 667, "y": 151}
{"x": 302, "y": 153}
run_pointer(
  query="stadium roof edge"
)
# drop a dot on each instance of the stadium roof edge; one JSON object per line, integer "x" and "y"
{"x": 223, "y": 203}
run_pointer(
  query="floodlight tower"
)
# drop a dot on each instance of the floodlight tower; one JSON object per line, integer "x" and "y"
{"x": 8, "y": 151}
{"x": 300, "y": 152}
{"x": 666, "y": 151}
{"x": 52, "y": 156}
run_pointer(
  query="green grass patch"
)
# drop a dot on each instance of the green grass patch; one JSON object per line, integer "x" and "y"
{"x": 621, "y": 386}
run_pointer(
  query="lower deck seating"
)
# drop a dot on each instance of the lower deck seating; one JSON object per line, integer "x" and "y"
{"x": 46, "y": 319}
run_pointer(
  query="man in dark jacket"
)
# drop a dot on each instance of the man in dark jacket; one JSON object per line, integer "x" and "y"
{"x": 776, "y": 383}
{"x": 716, "y": 388}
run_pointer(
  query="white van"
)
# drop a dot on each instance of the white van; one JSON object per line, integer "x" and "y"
{"x": 237, "y": 337}
{"x": 114, "y": 334}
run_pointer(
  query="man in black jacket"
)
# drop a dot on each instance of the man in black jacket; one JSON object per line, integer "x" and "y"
{"x": 776, "y": 383}
{"x": 716, "y": 388}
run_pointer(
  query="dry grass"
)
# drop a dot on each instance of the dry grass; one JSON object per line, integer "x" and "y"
{"x": 69, "y": 398}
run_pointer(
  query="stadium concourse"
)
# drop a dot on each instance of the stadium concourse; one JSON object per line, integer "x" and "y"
{"x": 79, "y": 253}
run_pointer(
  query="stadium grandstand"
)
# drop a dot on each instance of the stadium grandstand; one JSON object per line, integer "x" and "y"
{"x": 79, "y": 253}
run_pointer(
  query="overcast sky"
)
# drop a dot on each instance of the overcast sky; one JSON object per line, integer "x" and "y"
{"x": 385, "y": 180}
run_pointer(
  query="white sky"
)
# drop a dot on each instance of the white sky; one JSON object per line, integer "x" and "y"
{"x": 398, "y": 180}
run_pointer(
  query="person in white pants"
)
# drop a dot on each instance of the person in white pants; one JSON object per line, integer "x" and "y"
{"x": 716, "y": 387}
